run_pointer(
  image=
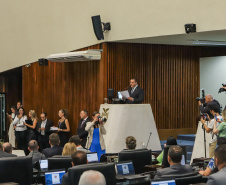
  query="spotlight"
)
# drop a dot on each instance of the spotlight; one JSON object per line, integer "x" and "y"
{"x": 43, "y": 62}
{"x": 107, "y": 26}
{"x": 190, "y": 28}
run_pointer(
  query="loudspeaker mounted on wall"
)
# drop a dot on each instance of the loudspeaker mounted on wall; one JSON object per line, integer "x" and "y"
{"x": 97, "y": 26}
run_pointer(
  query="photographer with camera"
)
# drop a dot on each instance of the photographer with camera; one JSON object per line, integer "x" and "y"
{"x": 209, "y": 101}
{"x": 96, "y": 130}
{"x": 214, "y": 110}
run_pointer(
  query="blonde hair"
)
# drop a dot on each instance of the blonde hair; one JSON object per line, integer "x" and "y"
{"x": 69, "y": 149}
{"x": 33, "y": 114}
{"x": 224, "y": 115}
{"x": 131, "y": 142}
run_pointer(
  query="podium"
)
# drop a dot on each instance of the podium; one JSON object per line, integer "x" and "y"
{"x": 129, "y": 120}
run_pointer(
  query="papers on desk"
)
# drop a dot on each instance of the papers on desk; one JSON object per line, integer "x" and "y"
{"x": 125, "y": 94}
{"x": 53, "y": 128}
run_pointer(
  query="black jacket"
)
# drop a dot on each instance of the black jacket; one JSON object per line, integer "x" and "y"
{"x": 55, "y": 150}
{"x": 82, "y": 132}
{"x": 206, "y": 107}
{"x": 47, "y": 127}
{"x": 137, "y": 95}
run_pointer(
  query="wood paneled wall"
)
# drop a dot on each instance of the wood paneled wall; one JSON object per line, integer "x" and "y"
{"x": 168, "y": 74}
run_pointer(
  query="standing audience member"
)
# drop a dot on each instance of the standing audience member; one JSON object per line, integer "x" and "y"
{"x": 55, "y": 149}
{"x": 78, "y": 158}
{"x": 18, "y": 105}
{"x": 169, "y": 142}
{"x": 11, "y": 133}
{"x": 63, "y": 126}
{"x": 5, "y": 154}
{"x": 214, "y": 110}
{"x": 7, "y": 147}
{"x": 221, "y": 129}
{"x": 174, "y": 159}
{"x": 92, "y": 177}
{"x": 69, "y": 149}
{"x": 43, "y": 128}
{"x": 131, "y": 143}
{"x": 34, "y": 153}
{"x": 95, "y": 142}
{"x": 20, "y": 129}
{"x": 31, "y": 129}
{"x": 81, "y": 127}
{"x": 76, "y": 140}
{"x": 219, "y": 178}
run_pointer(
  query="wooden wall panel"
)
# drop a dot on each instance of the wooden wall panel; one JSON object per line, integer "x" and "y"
{"x": 71, "y": 86}
{"x": 168, "y": 74}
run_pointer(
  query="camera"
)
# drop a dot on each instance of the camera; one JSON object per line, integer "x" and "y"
{"x": 222, "y": 89}
{"x": 202, "y": 99}
{"x": 102, "y": 119}
{"x": 204, "y": 116}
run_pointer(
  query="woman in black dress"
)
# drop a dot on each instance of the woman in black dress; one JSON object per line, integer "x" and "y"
{"x": 31, "y": 126}
{"x": 63, "y": 126}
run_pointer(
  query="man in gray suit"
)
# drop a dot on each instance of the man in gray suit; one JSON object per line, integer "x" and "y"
{"x": 34, "y": 153}
{"x": 5, "y": 150}
{"x": 174, "y": 159}
{"x": 219, "y": 178}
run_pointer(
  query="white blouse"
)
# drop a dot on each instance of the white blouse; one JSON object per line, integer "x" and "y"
{"x": 20, "y": 123}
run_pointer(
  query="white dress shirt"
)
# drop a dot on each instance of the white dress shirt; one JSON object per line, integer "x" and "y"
{"x": 20, "y": 123}
{"x": 43, "y": 124}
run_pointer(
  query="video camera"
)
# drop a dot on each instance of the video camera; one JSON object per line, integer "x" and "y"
{"x": 202, "y": 99}
{"x": 222, "y": 89}
{"x": 102, "y": 119}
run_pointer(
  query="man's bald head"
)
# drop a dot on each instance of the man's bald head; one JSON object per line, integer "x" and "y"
{"x": 208, "y": 98}
{"x": 92, "y": 177}
{"x": 7, "y": 147}
{"x": 33, "y": 145}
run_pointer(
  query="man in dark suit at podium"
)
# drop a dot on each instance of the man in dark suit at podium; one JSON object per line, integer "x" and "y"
{"x": 136, "y": 93}
{"x": 81, "y": 127}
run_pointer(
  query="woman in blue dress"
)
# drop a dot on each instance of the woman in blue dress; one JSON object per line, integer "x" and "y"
{"x": 95, "y": 139}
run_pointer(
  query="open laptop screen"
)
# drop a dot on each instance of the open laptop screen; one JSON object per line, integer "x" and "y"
{"x": 43, "y": 164}
{"x": 54, "y": 177}
{"x": 92, "y": 157}
{"x": 125, "y": 168}
{"x": 163, "y": 182}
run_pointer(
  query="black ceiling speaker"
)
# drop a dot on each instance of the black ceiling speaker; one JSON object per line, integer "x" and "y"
{"x": 190, "y": 28}
{"x": 97, "y": 27}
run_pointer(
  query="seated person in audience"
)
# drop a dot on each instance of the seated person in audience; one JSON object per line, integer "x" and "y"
{"x": 174, "y": 159}
{"x": 69, "y": 149}
{"x": 76, "y": 140}
{"x": 55, "y": 149}
{"x": 34, "y": 153}
{"x": 219, "y": 178}
{"x": 92, "y": 177}
{"x": 6, "y": 150}
{"x": 169, "y": 142}
{"x": 131, "y": 143}
{"x": 78, "y": 158}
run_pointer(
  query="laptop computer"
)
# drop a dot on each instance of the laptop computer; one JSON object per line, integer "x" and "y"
{"x": 92, "y": 157}
{"x": 43, "y": 165}
{"x": 163, "y": 182}
{"x": 125, "y": 170}
{"x": 54, "y": 177}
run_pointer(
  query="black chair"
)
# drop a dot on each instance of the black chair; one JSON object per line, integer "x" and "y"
{"x": 108, "y": 170}
{"x": 59, "y": 163}
{"x": 185, "y": 179}
{"x": 16, "y": 169}
{"x": 165, "y": 155}
{"x": 139, "y": 157}
{"x": 104, "y": 157}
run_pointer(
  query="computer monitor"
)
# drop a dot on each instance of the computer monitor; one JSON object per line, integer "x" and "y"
{"x": 140, "y": 158}
{"x": 125, "y": 168}
{"x": 163, "y": 182}
{"x": 59, "y": 163}
{"x": 92, "y": 157}
{"x": 43, "y": 165}
{"x": 54, "y": 177}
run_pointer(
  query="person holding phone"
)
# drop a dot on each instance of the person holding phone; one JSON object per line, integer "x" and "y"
{"x": 214, "y": 110}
